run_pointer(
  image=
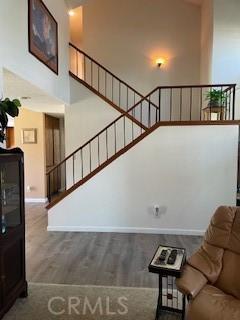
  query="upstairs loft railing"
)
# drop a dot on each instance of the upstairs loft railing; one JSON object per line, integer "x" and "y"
{"x": 175, "y": 105}
{"x": 102, "y": 81}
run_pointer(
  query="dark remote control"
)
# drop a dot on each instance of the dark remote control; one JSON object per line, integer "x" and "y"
{"x": 172, "y": 257}
{"x": 163, "y": 255}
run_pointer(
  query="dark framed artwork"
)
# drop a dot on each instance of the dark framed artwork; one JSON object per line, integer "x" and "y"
{"x": 43, "y": 34}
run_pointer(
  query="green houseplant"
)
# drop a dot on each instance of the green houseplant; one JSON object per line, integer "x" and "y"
{"x": 216, "y": 98}
{"x": 7, "y": 107}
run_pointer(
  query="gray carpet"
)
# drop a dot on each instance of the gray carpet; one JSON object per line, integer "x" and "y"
{"x": 86, "y": 302}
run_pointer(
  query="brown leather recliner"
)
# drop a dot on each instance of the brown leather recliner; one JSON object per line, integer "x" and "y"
{"x": 211, "y": 277}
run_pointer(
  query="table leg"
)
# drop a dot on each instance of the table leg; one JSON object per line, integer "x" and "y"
{"x": 183, "y": 307}
{"x": 159, "y": 304}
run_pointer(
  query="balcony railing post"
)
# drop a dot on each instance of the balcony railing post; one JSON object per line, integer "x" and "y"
{"x": 234, "y": 98}
{"x": 159, "y": 104}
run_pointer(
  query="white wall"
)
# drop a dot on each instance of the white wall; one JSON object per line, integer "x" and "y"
{"x": 127, "y": 37}
{"x": 226, "y": 44}
{"x": 14, "y": 54}
{"x": 188, "y": 171}
{"x": 206, "y": 41}
{"x": 76, "y": 27}
{"x": 86, "y": 116}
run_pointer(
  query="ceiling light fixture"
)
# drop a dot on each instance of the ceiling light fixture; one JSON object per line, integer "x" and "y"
{"x": 71, "y": 13}
{"x": 25, "y": 98}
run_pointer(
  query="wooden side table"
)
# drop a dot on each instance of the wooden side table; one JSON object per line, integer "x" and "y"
{"x": 219, "y": 111}
{"x": 169, "y": 298}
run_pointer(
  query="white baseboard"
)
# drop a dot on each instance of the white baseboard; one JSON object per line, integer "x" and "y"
{"x": 36, "y": 200}
{"x": 126, "y": 230}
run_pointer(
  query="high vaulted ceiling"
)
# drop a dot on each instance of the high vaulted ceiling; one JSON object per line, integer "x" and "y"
{"x": 30, "y": 96}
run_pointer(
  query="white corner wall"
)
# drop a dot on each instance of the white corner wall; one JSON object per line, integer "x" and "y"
{"x": 226, "y": 45}
{"x": 206, "y": 41}
{"x": 187, "y": 171}
{"x": 14, "y": 54}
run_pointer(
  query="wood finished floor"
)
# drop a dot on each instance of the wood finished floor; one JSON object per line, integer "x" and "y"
{"x": 108, "y": 259}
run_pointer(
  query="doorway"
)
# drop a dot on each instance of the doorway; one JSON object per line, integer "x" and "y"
{"x": 54, "y": 137}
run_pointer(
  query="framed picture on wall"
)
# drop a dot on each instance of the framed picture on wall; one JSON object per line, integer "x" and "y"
{"x": 43, "y": 34}
{"x": 29, "y": 136}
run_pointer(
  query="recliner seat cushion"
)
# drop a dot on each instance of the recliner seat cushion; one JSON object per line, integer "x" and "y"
{"x": 213, "y": 304}
{"x": 229, "y": 279}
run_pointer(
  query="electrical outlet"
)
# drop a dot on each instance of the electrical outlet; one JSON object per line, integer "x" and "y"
{"x": 156, "y": 210}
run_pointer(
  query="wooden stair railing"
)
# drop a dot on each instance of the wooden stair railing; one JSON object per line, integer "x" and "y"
{"x": 126, "y": 113}
{"x": 178, "y": 105}
{"x": 103, "y": 82}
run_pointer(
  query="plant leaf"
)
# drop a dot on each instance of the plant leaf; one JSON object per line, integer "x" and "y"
{"x": 3, "y": 119}
{"x": 2, "y": 136}
{"x": 17, "y": 103}
{"x": 12, "y": 110}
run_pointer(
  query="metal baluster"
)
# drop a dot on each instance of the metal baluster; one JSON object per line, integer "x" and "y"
{"x": 156, "y": 120}
{"x": 181, "y": 94}
{"x": 73, "y": 157}
{"x": 49, "y": 187}
{"x": 134, "y": 98}
{"x": 226, "y": 104}
{"x": 229, "y": 102}
{"x": 149, "y": 114}
{"x": 141, "y": 115}
{"x": 171, "y": 104}
{"x": 84, "y": 68}
{"x": 98, "y": 78}
{"x": 222, "y": 112}
{"x": 201, "y": 102}
{"x": 124, "y": 130}
{"x": 91, "y": 73}
{"x": 127, "y": 98}
{"x": 234, "y": 96}
{"x": 119, "y": 91}
{"x": 210, "y": 106}
{"x": 159, "y": 103}
{"x": 65, "y": 176}
{"x": 105, "y": 90}
{"x": 191, "y": 93}
{"x": 76, "y": 62}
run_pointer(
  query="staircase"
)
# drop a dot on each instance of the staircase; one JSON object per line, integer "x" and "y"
{"x": 139, "y": 117}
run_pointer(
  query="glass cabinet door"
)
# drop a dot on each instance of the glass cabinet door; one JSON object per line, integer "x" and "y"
{"x": 10, "y": 195}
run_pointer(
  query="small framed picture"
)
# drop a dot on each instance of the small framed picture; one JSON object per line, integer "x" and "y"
{"x": 29, "y": 136}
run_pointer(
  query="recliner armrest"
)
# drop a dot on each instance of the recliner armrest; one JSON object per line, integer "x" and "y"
{"x": 191, "y": 282}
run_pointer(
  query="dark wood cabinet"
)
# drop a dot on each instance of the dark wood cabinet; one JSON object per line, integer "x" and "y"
{"x": 12, "y": 229}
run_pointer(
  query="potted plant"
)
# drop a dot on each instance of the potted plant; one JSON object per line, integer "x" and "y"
{"x": 7, "y": 107}
{"x": 216, "y": 98}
